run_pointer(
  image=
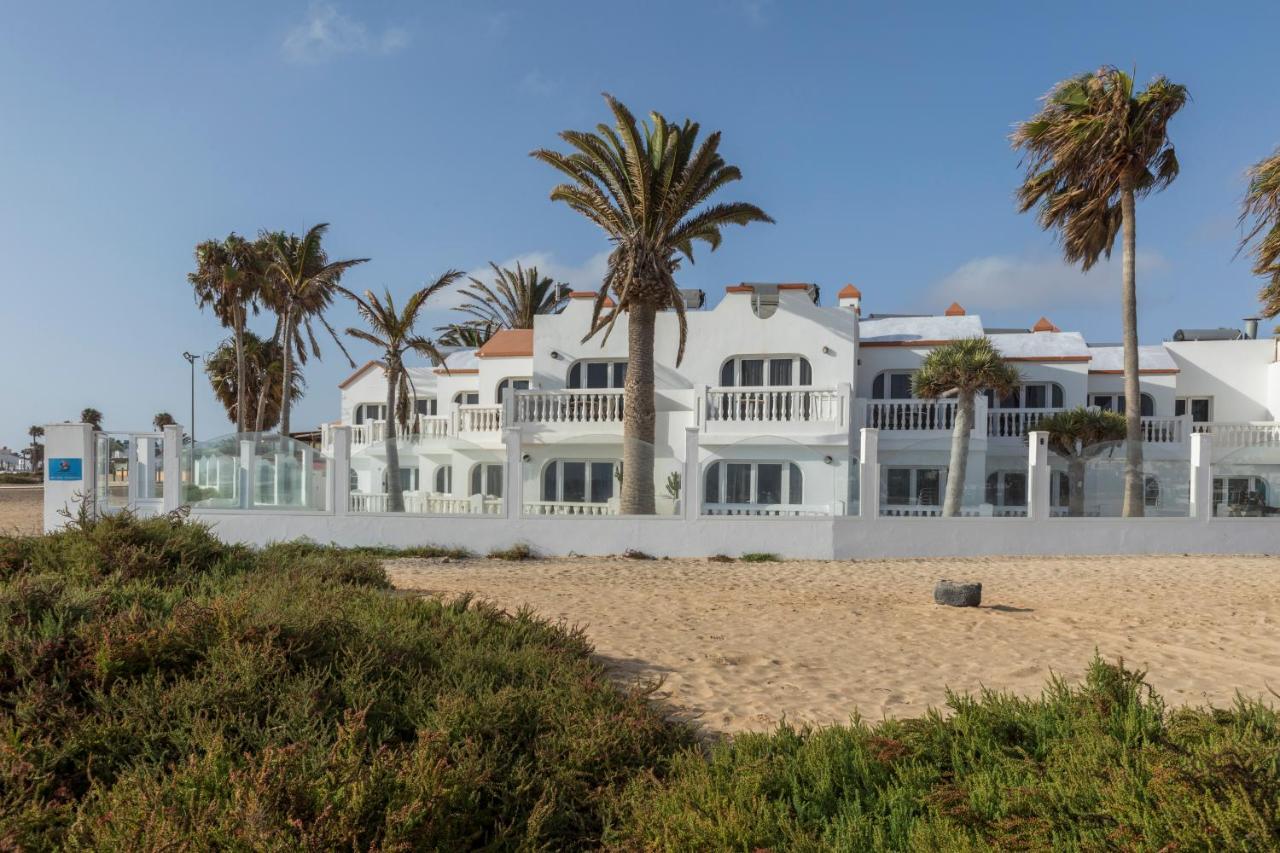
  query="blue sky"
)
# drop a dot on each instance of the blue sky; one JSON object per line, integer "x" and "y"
{"x": 876, "y": 137}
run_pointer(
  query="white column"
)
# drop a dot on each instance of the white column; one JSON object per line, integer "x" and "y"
{"x": 844, "y": 401}
{"x": 340, "y": 471}
{"x": 512, "y": 471}
{"x": 173, "y": 485}
{"x": 1201, "y": 476}
{"x": 691, "y": 487}
{"x": 69, "y": 467}
{"x": 305, "y": 477}
{"x": 1038, "y": 475}
{"x": 246, "y": 474}
{"x": 869, "y": 474}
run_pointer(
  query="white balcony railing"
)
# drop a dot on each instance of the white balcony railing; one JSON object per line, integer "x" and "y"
{"x": 1241, "y": 433}
{"x": 479, "y": 418}
{"x": 913, "y": 415}
{"x": 423, "y": 503}
{"x": 767, "y": 509}
{"x": 570, "y": 508}
{"x": 774, "y": 405}
{"x": 569, "y": 407}
{"x": 372, "y": 432}
{"x": 1014, "y": 423}
{"x": 1165, "y": 430}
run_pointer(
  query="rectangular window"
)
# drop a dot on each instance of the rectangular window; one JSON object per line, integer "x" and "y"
{"x": 737, "y": 485}
{"x": 493, "y": 474}
{"x": 619, "y": 374}
{"x": 601, "y": 482}
{"x": 1104, "y": 402}
{"x": 1200, "y": 410}
{"x": 575, "y": 481}
{"x": 751, "y": 372}
{"x": 796, "y": 492}
{"x": 899, "y": 386}
{"x": 928, "y": 491}
{"x": 768, "y": 484}
{"x": 1035, "y": 397}
{"x": 898, "y": 484}
{"x": 779, "y": 371}
{"x": 598, "y": 375}
{"x": 1015, "y": 489}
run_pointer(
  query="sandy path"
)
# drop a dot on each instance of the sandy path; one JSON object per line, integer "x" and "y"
{"x": 21, "y": 509}
{"x": 740, "y": 645}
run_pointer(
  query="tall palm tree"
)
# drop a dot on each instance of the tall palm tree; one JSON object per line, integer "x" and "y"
{"x": 514, "y": 298}
{"x": 162, "y": 420}
{"x": 392, "y": 331}
{"x": 470, "y": 333}
{"x": 645, "y": 186}
{"x": 302, "y": 283}
{"x": 1071, "y": 434}
{"x": 36, "y": 432}
{"x": 92, "y": 417}
{"x": 1262, "y": 205}
{"x": 263, "y": 361}
{"x": 1092, "y": 150}
{"x": 228, "y": 279}
{"x": 962, "y": 369}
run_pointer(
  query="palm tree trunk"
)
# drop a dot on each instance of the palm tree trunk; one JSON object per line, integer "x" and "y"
{"x": 1075, "y": 477}
{"x": 395, "y": 491}
{"x": 264, "y": 383}
{"x": 242, "y": 373}
{"x": 959, "y": 456}
{"x": 638, "y": 414}
{"x": 1132, "y": 393}
{"x": 287, "y": 359}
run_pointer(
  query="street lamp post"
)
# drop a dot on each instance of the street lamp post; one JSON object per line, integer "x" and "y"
{"x": 191, "y": 360}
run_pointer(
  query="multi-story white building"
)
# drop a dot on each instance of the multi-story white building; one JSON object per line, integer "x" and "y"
{"x": 778, "y": 387}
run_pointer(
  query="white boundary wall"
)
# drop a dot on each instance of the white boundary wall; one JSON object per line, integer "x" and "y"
{"x": 692, "y": 535}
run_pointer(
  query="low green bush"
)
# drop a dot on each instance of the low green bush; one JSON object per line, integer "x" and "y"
{"x": 519, "y": 551}
{"x": 158, "y": 686}
{"x": 759, "y": 557}
{"x": 21, "y": 478}
{"x": 1101, "y": 766}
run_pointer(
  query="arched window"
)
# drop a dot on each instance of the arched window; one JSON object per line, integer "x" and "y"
{"x": 1151, "y": 490}
{"x": 408, "y": 480}
{"x": 1007, "y": 489}
{"x": 444, "y": 479}
{"x": 578, "y": 480}
{"x": 753, "y": 483}
{"x": 597, "y": 373}
{"x": 354, "y": 481}
{"x": 366, "y": 412}
{"x": 513, "y": 384}
{"x": 760, "y": 371}
{"x": 466, "y": 398}
{"x": 1115, "y": 403}
{"x": 486, "y": 479}
{"x": 892, "y": 385}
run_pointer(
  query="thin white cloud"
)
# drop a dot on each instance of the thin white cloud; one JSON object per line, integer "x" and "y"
{"x": 757, "y": 11}
{"x": 327, "y": 33}
{"x": 1040, "y": 284}
{"x": 584, "y": 276}
{"x": 536, "y": 83}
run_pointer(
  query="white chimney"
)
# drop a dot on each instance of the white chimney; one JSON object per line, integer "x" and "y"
{"x": 1251, "y": 328}
{"x": 850, "y": 297}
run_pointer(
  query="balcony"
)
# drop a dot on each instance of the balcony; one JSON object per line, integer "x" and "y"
{"x": 938, "y": 417}
{"x": 1241, "y": 433}
{"x": 587, "y": 407}
{"x": 478, "y": 419}
{"x": 762, "y": 407}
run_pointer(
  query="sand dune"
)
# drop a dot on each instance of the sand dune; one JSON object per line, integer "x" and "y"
{"x": 741, "y": 645}
{"x": 21, "y": 509}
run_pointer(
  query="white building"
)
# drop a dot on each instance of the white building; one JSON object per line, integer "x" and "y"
{"x": 778, "y": 387}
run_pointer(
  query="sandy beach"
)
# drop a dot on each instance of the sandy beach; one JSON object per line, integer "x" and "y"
{"x": 21, "y": 509}
{"x": 740, "y": 645}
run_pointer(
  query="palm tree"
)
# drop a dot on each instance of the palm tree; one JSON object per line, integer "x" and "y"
{"x": 92, "y": 417}
{"x": 36, "y": 432}
{"x": 1071, "y": 434}
{"x": 515, "y": 297}
{"x": 228, "y": 278}
{"x": 962, "y": 369}
{"x": 1262, "y": 205}
{"x": 392, "y": 332}
{"x": 162, "y": 420}
{"x": 302, "y": 281}
{"x": 263, "y": 361}
{"x": 472, "y": 334}
{"x": 645, "y": 187}
{"x": 1094, "y": 148}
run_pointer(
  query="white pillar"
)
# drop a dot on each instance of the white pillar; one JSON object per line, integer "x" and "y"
{"x": 1201, "y": 476}
{"x": 1038, "y": 475}
{"x": 340, "y": 471}
{"x": 173, "y": 485}
{"x": 246, "y": 474}
{"x": 305, "y": 476}
{"x": 845, "y": 401}
{"x": 869, "y": 474}
{"x": 68, "y": 472}
{"x": 512, "y": 471}
{"x": 691, "y": 487}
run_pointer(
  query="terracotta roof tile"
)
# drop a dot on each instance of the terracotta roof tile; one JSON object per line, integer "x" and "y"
{"x": 508, "y": 343}
{"x": 955, "y": 310}
{"x": 849, "y": 291}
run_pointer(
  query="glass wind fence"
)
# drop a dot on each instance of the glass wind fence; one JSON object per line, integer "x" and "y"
{"x": 1246, "y": 482}
{"x": 917, "y": 481}
{"x": 255, "y": 471}
{"x": 427, "y": 478}
{"x": 587, "y": 476}
{"x": 1090, "y": 482}
{"x": 775, "y": 476}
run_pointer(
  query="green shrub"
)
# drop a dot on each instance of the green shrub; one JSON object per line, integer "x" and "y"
{"x": 519, "y": 551}
{"x": 158, "y": 686}
{"x": 1102, "y": 766}
{"x": 759, "y": 557}
{"x": 21, "y": 478}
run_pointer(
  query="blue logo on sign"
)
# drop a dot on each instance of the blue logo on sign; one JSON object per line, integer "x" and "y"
{"x": 65, "y": 469}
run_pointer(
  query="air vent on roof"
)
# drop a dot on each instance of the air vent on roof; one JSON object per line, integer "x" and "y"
{"x": 693, "y": 299}
{"x": 1221, "y": 334}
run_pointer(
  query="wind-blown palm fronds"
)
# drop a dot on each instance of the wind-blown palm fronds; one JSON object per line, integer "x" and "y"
{"x": 514, "y": 297}
{"x": 262, "y": 394}
{"x": 1095, "y": 147}
{"x": 646, "y": 187}
{"x": 1262, "y": 207}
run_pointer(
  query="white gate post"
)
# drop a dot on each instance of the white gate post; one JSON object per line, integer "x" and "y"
{"x": 340, "y": 471}
{"x": 512, "y": 470}
{"x": 1038, "y": 476}
{"x": 246, "y": 474}
{"x": 1201, "y": 476}
{"x": 173, "y": 486}
{"x": 69, "y": 467}
{"x": 691, "y": 488}
{"x": 869, "y": 474}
